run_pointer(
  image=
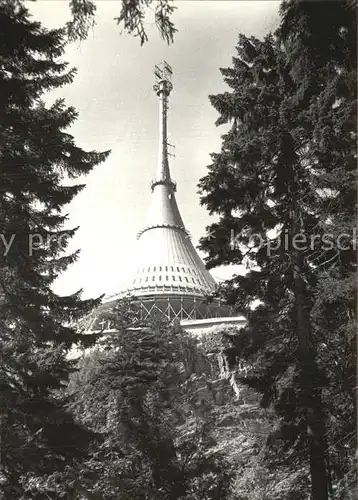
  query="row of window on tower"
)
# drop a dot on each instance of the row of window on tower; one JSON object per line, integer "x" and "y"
{"x": 166, "y": 268}
{"x": 159, "y": 278}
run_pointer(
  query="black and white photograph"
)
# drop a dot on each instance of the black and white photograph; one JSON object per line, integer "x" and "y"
{"x": 178, "y": 250}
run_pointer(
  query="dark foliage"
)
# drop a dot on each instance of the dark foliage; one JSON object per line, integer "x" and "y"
{"x": 134, "y": 393}
{"x": 284, "y": 188}
{"x": 38, "y": 159}
{"x": 131, "y": 17}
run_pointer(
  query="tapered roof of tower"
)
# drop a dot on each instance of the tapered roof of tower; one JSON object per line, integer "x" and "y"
{"x": 167, "y": 260}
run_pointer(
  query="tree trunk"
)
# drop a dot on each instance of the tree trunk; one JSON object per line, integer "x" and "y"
{"x": 310, "y": 386}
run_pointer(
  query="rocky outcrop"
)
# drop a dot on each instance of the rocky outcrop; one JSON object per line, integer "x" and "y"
{"x": 239, "y": 426}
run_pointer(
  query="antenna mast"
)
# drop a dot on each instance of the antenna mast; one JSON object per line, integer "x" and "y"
{"x": 163, "y": 86}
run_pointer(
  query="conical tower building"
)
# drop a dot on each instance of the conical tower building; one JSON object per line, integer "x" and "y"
{"x": 167, "y": 260}
{"x": 170, "y": 279}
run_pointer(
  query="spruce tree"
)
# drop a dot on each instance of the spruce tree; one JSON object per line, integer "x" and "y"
{"x": 283, "y": 178}
{"x": 323, "y": 51}
{"x": 138, "y": 393}
{"x": 38, "y": 161}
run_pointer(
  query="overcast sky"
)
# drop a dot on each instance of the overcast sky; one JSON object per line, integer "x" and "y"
{"x": 118, "y": 110}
